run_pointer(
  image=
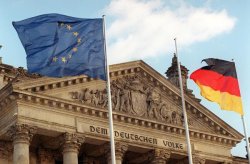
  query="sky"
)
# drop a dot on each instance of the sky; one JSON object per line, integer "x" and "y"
{"x": 145, "y": 30}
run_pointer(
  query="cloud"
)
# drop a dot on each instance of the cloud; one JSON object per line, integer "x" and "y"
{"x": 146, "y": 28}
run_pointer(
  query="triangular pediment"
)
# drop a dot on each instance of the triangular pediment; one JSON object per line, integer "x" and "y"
{"x": 138, "y": 91}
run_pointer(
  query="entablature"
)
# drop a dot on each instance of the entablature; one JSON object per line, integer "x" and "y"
{"x": 40, "y": 91}
{"x": 31, "y": 98}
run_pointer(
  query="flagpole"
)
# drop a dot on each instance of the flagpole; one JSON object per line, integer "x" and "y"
{"x": 246, "y": 137}
{"x": 184, "y": 108}
{"x": 111, "y": 129}
{"x": 245, "y": 130}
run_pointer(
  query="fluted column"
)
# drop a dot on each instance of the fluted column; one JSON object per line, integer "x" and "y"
{"x": 46, "y": 156}
{"x": 21, "y": 135}
{"x": 71, "y": 144}
{"x": 120, "y": 150}
{"x": 160, "y": 156}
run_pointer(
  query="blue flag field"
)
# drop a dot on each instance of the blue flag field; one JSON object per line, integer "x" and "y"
{"x": 58, "y": 45}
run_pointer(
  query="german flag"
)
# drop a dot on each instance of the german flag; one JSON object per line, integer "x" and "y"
{"x": 218, "y": 83}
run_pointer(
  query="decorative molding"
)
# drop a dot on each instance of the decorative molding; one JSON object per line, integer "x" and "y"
{"x": 121, "y": 117}
{"x": 10, "y": 73}
{"x": 23, "y": 73}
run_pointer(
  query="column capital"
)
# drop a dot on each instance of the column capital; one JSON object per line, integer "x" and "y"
{"x": 21, "y": 133}
{"x": 71, "y": 142}
{"x": 160, "y": 156}
{"x": 120, "y": 150}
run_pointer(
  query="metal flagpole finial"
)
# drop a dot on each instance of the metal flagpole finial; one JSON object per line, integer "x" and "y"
{"x": 1, "y": 46}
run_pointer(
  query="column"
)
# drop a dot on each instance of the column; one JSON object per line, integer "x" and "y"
{"x": 160, "y": 156}
{"x": 4, "y": 152}
{"x": 21, "y": 135}
{"x": 71, "y": 145}
{"x": 120, "y": 150}
{"x": 46, "y": 156}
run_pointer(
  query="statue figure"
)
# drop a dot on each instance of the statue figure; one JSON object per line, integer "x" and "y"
{"x": 125, "y": 99}
{"x": 174, "y": 117}
{"x": 116, "y": 93}
{"x": 103, "y": 98}
{"x": 154, "y": 100}
{"x": 80, "y": 95}
{"x": 94, "y": 98}
{"x": 164, "y": 112}
{"x": 87, "y": 96}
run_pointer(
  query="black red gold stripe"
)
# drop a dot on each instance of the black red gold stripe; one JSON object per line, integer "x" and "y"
{"x": 218, "y": 83}
{"x": 223, "y": 67}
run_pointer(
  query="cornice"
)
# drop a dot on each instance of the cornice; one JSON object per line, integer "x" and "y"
{"x": 120, "y": 117}
{"x": 9, "y": 73}
{"x": 6, "y": 96}
{"x": 211, "y": 156}
{"x": 45, "y": 83}
{"x": 211, "y": 118}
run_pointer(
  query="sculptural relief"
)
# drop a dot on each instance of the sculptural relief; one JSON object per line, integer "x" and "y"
{"x": 115, "y": 94}
{"x": 138, "y": 97}
{"x": 165, "y": 113}
{"x": 91, "y": 97}
{"x": 125, "y": 99}
{"x": 154, "y": 104}
{"x": 130, "y": 95}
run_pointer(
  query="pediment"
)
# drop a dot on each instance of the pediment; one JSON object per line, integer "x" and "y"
{"x": 138, "y": 91}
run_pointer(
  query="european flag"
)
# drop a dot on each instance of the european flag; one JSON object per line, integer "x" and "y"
{"x": 58, "y": 45}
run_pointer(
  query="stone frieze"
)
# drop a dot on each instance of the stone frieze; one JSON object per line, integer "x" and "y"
{"x": 131, "y": 96}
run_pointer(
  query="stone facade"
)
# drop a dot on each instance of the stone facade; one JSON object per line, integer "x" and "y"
{"x": 65, "y": 120}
